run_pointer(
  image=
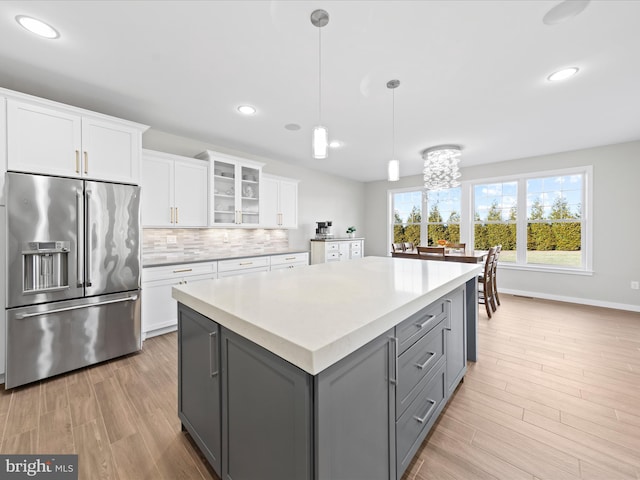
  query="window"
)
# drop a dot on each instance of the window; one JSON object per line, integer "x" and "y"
{"x": 424, "y": 218}
{"x": 407, "y": 216}
{"x": 554, "y": 220}
{"x": 443, "y": 220}
{"x": 495, "y": 217}
{"x": 539, "y": 219}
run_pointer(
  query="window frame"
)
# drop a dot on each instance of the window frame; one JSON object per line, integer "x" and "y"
{"x": 467, "y": 217}
{"x": 390, "y": 212}
{"x": 521, "y": 220}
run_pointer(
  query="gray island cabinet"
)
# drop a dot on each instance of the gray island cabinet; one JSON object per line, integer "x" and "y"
{"x": 355, "y": 399}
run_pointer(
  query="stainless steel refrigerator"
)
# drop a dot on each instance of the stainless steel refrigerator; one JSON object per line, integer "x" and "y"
{"x": 73, "y": 274}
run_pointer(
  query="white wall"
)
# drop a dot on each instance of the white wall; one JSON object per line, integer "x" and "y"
{"x": 320, "y": 196}
{"x": 616, "y": 225}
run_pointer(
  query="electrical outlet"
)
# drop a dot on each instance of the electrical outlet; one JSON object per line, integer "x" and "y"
{"x": 171, "y": 240}
{"x": 635, "y": 285}
{"x": 225, "y": 237}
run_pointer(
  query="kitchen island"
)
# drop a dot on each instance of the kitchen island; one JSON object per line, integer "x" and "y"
{"x": 333, "y": 371}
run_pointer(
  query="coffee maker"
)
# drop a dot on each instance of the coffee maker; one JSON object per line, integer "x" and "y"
{"x": 323, "y": 230}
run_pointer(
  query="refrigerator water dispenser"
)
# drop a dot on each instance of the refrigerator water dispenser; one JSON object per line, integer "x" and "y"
{"x": 45, "y": 266}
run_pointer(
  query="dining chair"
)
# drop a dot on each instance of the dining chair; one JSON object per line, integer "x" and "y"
{"x": 485, "y": 283}
{"x": 397, "y": 247}
{"x": 494, "y": 274}
{"x": 458, "y": 247}
{"x": 408, "y": 246}
{"x": 433, "y": 252}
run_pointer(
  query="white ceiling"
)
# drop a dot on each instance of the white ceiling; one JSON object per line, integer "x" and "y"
{"x": 472, "y": 73}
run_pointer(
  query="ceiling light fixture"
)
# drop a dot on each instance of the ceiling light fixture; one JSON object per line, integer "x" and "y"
{"x": 393, "y": 167}
{"x": 37, "y": 26}
{"x": 564, "y": 11}
{"x": 441, "y": 167}
{"x": 320, "y": 138}
{"x": 247, "y": 109}
{"x": 335, "y": 144}
{"x": 563, "y": 74}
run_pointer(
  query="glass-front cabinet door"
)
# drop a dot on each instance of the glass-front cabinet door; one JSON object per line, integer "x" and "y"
{"x": 224, "y": 193}
{"x": 235, "y": 190}
{"x": 250, "y": 195}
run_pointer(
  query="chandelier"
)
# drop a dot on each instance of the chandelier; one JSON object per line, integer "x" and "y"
{"x": 441, "y": 167}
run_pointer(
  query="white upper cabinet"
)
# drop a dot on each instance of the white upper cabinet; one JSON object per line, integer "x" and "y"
{"x": 110, "y": 151}
{"x": 235, "y": 190}
{"x": 174, "y": 190}
{"x": 278, "y": 202}
{"x": 54, "y": 139}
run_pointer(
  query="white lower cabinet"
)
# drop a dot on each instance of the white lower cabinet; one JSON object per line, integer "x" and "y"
{"x": 294, "y": 260}
{"x": 323, "y": 251}
{"x": 242, "y": 266}
{"x": 159, "y": 309}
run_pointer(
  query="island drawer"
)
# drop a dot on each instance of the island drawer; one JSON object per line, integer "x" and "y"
{"x": 419, "y": 324}
{"x": 414, "y": 425}
{"x": 418, "y": 364}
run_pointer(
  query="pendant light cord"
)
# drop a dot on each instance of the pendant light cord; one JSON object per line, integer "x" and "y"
{"x": 320, "y": 76}
{"x": 393, "y": 124}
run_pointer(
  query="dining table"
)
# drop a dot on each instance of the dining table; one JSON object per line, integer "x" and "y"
{"x": 475, "y": 256}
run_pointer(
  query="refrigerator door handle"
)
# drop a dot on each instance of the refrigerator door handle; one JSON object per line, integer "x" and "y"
{"x": 20, "y": 316}
{"x": 79, "y": 245}
{"x": 88, "y": 239}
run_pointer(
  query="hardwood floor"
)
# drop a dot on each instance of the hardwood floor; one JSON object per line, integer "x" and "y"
{"x": 555, "y": 395}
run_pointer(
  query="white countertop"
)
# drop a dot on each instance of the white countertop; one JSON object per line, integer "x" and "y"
{"x": 317, "y": 315}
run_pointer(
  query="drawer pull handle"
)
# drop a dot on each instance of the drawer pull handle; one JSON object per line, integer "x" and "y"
{"x": 245, "y": 263}
{"x": 428, "y": 414}
{"x": 183, "y": 270}
{"x": 290, "y": 258}
{"x": 449, "y": 305}
{"x": 393, "y": 358}
{"x": 424, "y": 324}
{"x": 426, "y": 362}
{"x": 213, "y": 367}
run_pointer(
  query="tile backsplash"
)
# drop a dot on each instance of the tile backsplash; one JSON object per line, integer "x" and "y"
{"x": 214, "y": 242}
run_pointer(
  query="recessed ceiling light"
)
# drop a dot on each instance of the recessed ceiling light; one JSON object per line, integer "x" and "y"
{"x": 247, "y": 109}
{"x": 37, "y": 26}
{"x": 292, "y": 126}
{"x": 564, "y": 11}
{"x": 563, "y": 74}
{"x": 335, "y": 144}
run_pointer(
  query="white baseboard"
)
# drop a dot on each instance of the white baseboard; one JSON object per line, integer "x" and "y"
{"x": 159, "y": 331}
{"x": 581, "y": 301}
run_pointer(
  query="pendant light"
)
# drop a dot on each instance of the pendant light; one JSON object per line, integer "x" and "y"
{"x": 320, "y": 139}
{"x": 393, "y": 167}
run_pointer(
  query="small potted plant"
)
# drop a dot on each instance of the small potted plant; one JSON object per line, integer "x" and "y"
{"x": 351, "y": 232}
